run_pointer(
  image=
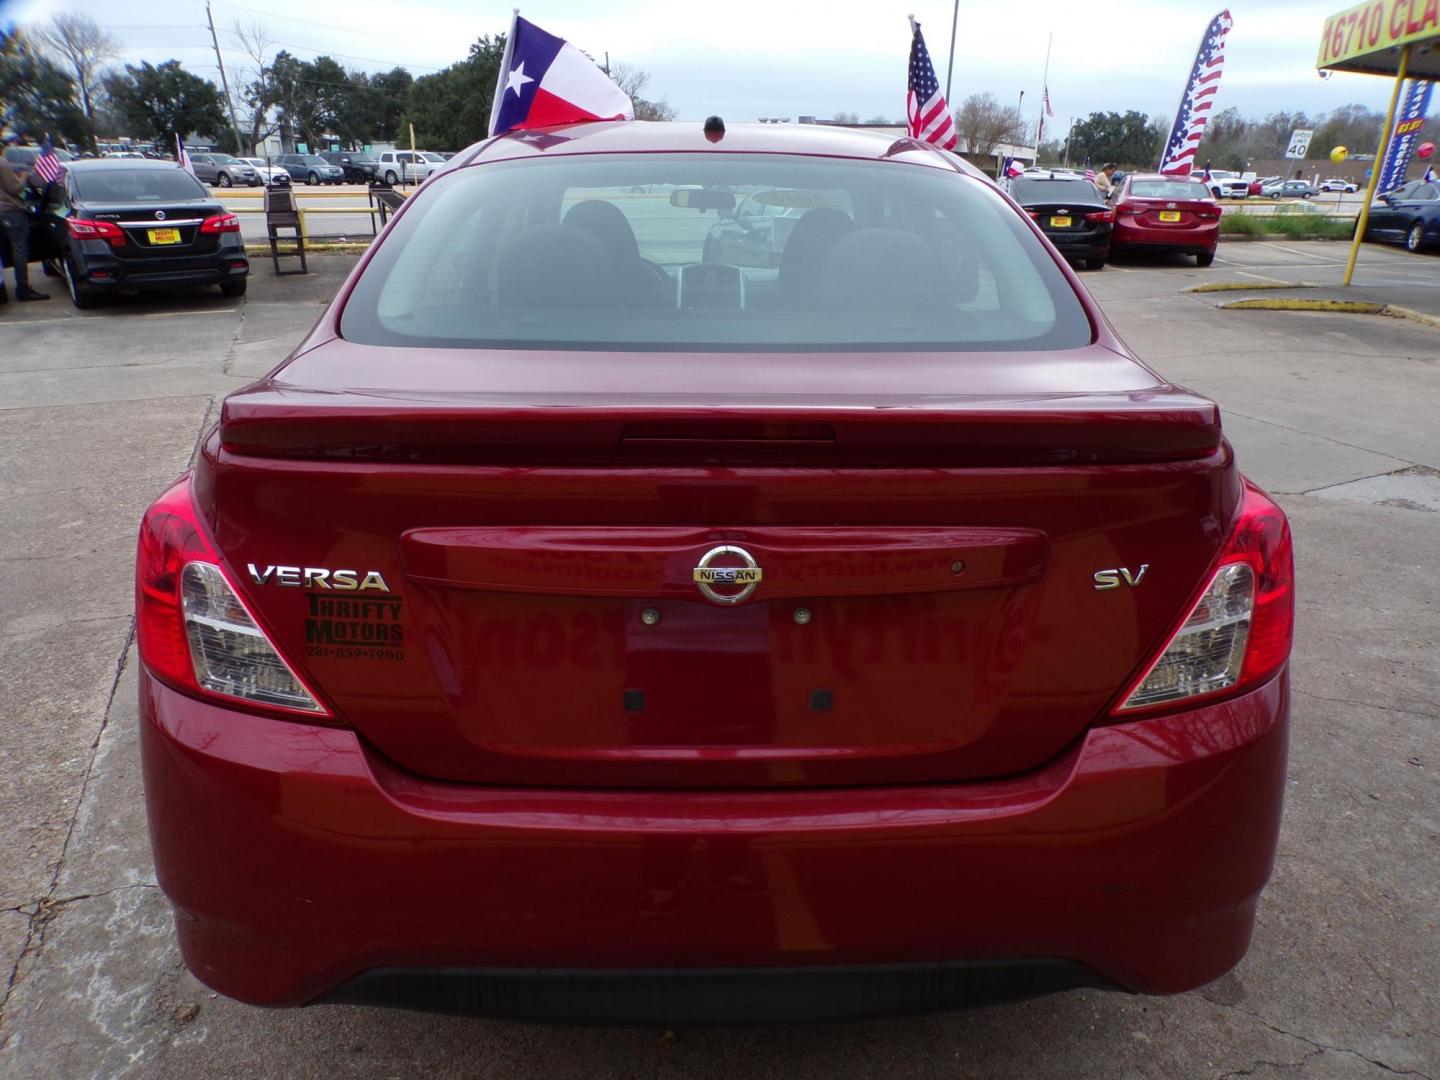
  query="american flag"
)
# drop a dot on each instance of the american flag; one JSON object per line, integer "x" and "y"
{"x": 1048, "y": 110}
{"x": 1199, "y": 99}
{"x": 47, "y": 165}
{"x": 925, "y": 107}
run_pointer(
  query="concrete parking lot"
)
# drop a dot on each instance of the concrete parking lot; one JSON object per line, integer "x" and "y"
{"x": 1334, "y": 414}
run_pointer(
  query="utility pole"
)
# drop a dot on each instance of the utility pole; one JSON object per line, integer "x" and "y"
{"x": 1068, "y": 132}
{"x": 224, "y": 83}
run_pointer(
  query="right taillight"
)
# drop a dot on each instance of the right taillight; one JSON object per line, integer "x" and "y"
{"x": 194, "y": 631}
{"x": 1237, "y": 632}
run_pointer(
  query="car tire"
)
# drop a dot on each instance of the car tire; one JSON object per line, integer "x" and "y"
{"x": 51, "y": 268}
{"x": 1094, "y": 264}
{"x": 233, "y": 288}
{"x": 1415, "y": 238}
{"x": 1205, "y": 258}
{"x": 223, "y": 180}
{"x": 312, "y": 178}
{"x": 391, "y": 178}
{"x": 81, "y": 294}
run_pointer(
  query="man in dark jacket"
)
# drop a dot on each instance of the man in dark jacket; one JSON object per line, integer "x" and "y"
{"x": 15, "y": 224}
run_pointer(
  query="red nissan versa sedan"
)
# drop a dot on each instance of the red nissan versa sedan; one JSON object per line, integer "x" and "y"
{"x": 571, "y": 628}
{"x": 1166, "y": 213}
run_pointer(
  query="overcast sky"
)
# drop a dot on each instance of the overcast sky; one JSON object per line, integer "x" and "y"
{"x": 745, "y": 59}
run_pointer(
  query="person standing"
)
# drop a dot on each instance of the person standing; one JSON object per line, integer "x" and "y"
{"x": 15, "y": 223}
{"x": 1104, "y": 181}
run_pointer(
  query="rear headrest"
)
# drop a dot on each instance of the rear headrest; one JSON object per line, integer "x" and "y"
{"x": 881, "y": 269}
{"x": 555, "y": 266}
{"x": 607, "y": 222}
{"x": 806, "y": 247}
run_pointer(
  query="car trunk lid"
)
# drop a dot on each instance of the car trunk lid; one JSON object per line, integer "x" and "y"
{"x": 682, "y": 588}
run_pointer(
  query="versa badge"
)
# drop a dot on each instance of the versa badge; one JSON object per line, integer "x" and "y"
{"x": 707, "y": 575}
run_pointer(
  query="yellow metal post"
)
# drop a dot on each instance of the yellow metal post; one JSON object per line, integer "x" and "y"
{"x": 1385, "y": 136}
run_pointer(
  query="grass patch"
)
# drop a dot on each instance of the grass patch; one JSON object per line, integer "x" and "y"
{"x": 1293, "y": 226}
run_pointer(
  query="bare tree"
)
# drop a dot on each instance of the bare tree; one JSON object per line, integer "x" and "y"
{"x": 845, "y": 118}
{"x": 983, "y": 124}
{"x": 255, "y": 85}
{"x": 878, "y": 120}
{"x": 633, "y": 80}
{"x": 81, "y": 46}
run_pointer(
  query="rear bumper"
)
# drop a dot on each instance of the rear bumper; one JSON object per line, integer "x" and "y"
{"x": 298, "y": 861}
{"x": 1095, "y": 245}
{"x": 1193, "y": 240}
{"x": 103, "y": 270}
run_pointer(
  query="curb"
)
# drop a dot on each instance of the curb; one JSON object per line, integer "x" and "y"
{"x": 1338, "y": 307}
{"x": 1242, "y": 286}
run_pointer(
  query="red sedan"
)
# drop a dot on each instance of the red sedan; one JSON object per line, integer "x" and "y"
{"x": 575, "y": 628}
{"x": 1166, "y": 213}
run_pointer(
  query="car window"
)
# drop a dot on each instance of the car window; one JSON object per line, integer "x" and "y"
{"x": 1027, "y": 190}
{"x": 431, "y": 157}
{"x": 596, "y": 252}
{"x": 1426, "y": 191}
{"x": 1169, "y": 189}
{"x": 221, "y": 159}
{"x": 137, "y": 185}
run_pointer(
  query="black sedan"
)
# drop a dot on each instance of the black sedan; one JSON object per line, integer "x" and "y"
{"x": 128, "y": 225}
{"x": 1070, "y": 211}
{"x": 1409, "y": 215}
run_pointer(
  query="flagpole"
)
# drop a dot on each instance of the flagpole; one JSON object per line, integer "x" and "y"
{"x": 1044, "y": 97}
{"x": 1386, "y": 134}
{"x": 950, "y": 66}
{"x": 503, "y": 77}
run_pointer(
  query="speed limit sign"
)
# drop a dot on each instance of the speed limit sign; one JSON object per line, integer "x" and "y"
{"x": 1299, "y": 143}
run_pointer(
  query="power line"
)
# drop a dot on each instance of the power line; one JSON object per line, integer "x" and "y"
{"x": 332, "y": 52}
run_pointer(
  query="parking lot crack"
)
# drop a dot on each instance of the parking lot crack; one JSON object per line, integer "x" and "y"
{"x": 235, "y": 339}
{"x": 1318, "y": 1048}
{"x": 1317, "y": 435}
{"x": 1368, "y": 705}
{"x": 44, "y": 909}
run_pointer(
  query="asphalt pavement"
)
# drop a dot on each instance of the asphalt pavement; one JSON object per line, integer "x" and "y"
{"x": 1334, "y": 414}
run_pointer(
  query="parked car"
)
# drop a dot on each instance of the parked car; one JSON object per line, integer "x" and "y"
{"x": 270, "y": 175}
{"x": 1224, "y": 184}
{"x": 1335, "y": 184}
{"x": 359, "y": 168}
{"x": 222, "y": 170}
{"x": 1070, "y": 212}
{"x": 126, "y": 154}
{"x": 1292, "y": 189}
{"x": 539, "y": 708}
{"x": 311, "y": 168}
{"x": 125, "y": 225}
{"x": 756, "y": 233}
{"x": 1409, "y": 215}
{"x": 404, "y": 167}
{"x": 1166, "y": 213}
{"x": 23, "y": 157}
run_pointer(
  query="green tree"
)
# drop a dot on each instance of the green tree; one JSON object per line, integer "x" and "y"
{"x": 393, "y": 88}
{"x": 1127, "y": 139}
{"x": 36, "y": 97}
{"x": 161, "y": 102}
{"x": 451, "y": 108}
{"x": 1352, "y": 126}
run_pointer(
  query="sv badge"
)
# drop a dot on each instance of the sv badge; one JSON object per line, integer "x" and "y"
{"x": 1121, "y": 575}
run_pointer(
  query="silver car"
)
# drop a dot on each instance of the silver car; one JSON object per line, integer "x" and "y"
{"x": 222, "y": 170}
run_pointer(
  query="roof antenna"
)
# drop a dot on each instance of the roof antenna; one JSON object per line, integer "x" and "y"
{"x": 714, "y": 128}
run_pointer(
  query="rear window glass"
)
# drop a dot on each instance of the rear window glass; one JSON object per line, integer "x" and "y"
{"x": 652, "y": 251}
{"x": 1169, "y": 189}
{"x": 1034, "y": 191}
{"x": 137, "y": 185}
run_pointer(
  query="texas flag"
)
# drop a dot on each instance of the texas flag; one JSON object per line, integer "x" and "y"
{"x": 545, "y": 80}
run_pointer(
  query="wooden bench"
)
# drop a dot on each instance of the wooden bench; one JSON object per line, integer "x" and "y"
{"x": 280, "y": 213}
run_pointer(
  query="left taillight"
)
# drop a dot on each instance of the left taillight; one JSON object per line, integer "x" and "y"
{"x": 220, "y": 223}
{"x": 85, "y": 229}
{"x": 1237, "y": 633}
{"x": 194, "y": 631}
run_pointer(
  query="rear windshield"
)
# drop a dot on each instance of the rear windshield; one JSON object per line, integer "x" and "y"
{"x": 1169, "y": 189}
{"x": 1034, "y": 191}
{"x": 137, "y": 185}
{"x": 728, "y": 252}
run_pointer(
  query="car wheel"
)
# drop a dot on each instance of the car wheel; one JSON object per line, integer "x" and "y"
{"x": 391, "y": 178}
{"x": 312, "y": 179}
{"x": 1415, "y": 237}
{"x": 1216, "y": 192}
{"x": 51, "y": 268}
{"x": 233, "y": 288}
{"x": 1094, "y": 264}
{"x": 81, "y": 294}
{"x": 223, "y": 180}
{"x": 1205, "y": 258}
